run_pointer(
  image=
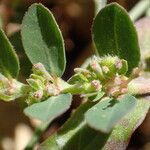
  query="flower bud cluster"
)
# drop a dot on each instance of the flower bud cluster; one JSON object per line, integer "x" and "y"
{"x": 102, "y": 74}
{"x": 10, "y": 89}
{"x": 105, "y": 74}
{"x": 42, "y": 84}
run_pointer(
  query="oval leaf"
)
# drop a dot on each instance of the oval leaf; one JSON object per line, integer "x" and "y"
{"x": 49, "y": 109}
{"x": 105, "y": 114}
{"x": 9, "y": 62}
{"x": 115, "y": 34}
{"x": 42, "y": 39}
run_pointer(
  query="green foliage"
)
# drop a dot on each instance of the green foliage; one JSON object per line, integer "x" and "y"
{"x": 120, "y": 136}
{"x": 25, "y": 64}
{"x": 75, "y": 130}
{"x": 42, "y": 39}
{"x": 105, "y": 114}
{"x": 114, "y": 34}
{"x": 109, "y": 114}
{"x": 9, "y": 63}
{"x": 49, "y": 109}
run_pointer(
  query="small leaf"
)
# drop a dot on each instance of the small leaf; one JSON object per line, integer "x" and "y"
{"x": 9, "y": 63}
{"x": 115, "y": 34}
{"x": 105, "y": 114}
{"x": 49, "y": 109}
{"x": 42, "y": 39}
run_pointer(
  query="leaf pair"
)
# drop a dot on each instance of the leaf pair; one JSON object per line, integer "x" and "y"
{"x": 76, "y": 135}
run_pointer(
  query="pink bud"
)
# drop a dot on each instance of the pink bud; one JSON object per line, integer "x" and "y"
{"x": 118, "y": 64}
{"x": 38, "y": 94}
{"x": 105, "y": 69}
{"x": 96, "y": 84}
{"x": 118, "y": 80}
{"x": 38, "y": 66}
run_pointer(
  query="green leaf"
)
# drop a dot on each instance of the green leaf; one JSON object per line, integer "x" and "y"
{"x": 76, "y": 135}
{"x": 120, "y": 136}
{"x": 49, "y": 109}
{"x": 9, "y": 63}
{"x": 42, "y": 39}
{"x": 25, "y": 64}
{"x": 115, "y": 34}
{"x": 105, "y": 114}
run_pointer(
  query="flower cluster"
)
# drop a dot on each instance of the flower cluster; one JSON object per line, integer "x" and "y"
{"x": 105, "y": 74}
{"x": 102, "y": 74}
{"x": 10, "y": 89}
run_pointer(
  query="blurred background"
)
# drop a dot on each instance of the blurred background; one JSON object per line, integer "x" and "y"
{"x": 75, "y": 19}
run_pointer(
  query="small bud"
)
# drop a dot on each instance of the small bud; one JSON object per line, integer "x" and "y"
{"x": 39, "y": 66}
{"x": 95, "y": 66}
{"x": 117, "y": 80}
{"x": 114, "y": 91}
{"x": 38, "y": 94}
{"x": 122, "y": 68}
{"x": 124, "y": 90}
{"x": 105, "y": 69}
{"x": 118, "y": 64}
{"x": 109, "y": 62}
{"x": 96, "y": 84}
{"x": 52, "y": 90}
{"x": 39, "y": 69}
